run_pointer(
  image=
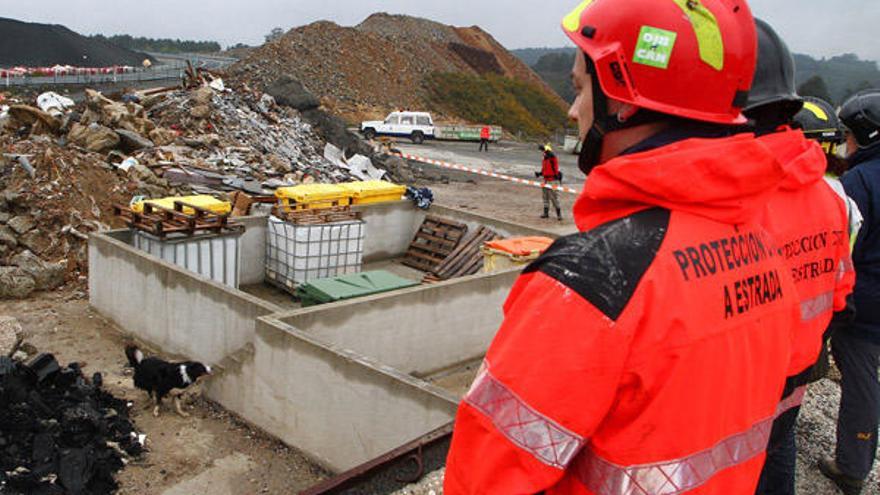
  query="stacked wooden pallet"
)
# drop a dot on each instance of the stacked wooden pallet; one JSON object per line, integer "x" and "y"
{"x": 436, "y": 239}
{"x": 466, "y": 259}
{"x": 317, "y": 216}
{"x": 162, "y": 222}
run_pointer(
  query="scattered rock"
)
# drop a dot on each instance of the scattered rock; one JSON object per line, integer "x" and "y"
{"x": 22, "y": 224}
{"x": 15, "y": 283}
{"x": 94, "y": 137}
{"x": 7, "y": 236}
{"x": 10, "y": 331}
{"x": 4, "y": 217}
{"x": 46, "y": 276}
{"x": 132, "y": 141}
{"x": 290, "y": 92}
{"x": 163, "y": 137}
{"x": 200, "y": 112}
{"x": 13, "y": 199}
{"x": 36, "y": 241}
{"x": 203, "y": 96}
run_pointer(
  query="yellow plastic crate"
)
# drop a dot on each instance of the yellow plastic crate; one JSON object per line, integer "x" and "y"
{"x": 202, "y": 201}
{"x": 374, "y": 191}
{"x": 313, "y": 196}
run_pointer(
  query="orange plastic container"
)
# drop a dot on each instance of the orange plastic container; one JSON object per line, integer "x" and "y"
{"x": 509, "y": 253}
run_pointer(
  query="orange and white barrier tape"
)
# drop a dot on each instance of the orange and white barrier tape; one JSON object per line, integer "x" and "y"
{"x": 487, "y": 173}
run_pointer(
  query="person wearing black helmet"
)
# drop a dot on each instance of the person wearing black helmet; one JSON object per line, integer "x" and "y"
{"x": 773, "y": 100}
{"x": 771, "y": 108}
{"x": 819, "y": 122}
{"x": 856, "y": 349}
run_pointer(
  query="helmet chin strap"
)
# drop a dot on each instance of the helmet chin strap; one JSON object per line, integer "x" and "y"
{"x": 605, "y": 123}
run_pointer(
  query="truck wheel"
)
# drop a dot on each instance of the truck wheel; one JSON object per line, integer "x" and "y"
{"x": 369, "y": 133}
{"x": 417, "y": 137}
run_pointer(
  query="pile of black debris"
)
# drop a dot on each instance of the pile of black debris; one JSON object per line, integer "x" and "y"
{"x": 60, "y": 433}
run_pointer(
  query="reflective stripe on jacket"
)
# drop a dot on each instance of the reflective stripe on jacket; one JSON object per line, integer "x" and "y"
{"x": 814, "y": 241}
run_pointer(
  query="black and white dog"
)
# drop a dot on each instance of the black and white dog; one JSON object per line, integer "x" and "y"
{"x": 160, "y": 378}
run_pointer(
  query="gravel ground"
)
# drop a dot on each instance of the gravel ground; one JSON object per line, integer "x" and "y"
{"x": 816, "y": 438}
{"x": 432, "y": 484}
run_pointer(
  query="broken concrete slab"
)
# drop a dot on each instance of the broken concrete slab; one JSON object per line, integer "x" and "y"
{"x": 15, "y": 283}
{"x": 36, "y": 241}
{"x": 22, "y": 224}
{"x": 7, "y": 236}
{"x": 46, "y": 276}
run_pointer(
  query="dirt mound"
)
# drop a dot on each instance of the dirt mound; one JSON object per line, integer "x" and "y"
{"x": 403, "y": 27}
{"x": 42, "y": 45}
{"x": 385, "y": 63}
{"x": 349, "y": 67}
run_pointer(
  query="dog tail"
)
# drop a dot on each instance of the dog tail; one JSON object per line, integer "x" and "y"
{"x": 134, "y": 355}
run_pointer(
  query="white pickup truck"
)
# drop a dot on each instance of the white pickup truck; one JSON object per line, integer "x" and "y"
{"x": 417, "y": 126}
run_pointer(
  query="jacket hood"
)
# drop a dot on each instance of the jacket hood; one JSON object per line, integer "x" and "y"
{"x": 724, "y": 179}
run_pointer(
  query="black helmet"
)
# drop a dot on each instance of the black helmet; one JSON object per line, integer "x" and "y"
{"x": 819, "y": 122}
{"x": 773, "y": 95}
{"x": 861, "y": 116}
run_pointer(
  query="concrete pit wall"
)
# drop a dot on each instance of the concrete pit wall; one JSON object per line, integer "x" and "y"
{"x": 418, "y": 331}
{"x": 335, "y": 380}
{"x": 337, "y": 406}
{"x": 166, "y": 306}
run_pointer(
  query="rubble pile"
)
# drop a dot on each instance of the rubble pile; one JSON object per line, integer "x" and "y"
{"x": 382, "y": 64}
{"x": 63, "y": 167}
{"x": 244, "y": 136}
{"x": 60, "y": 433}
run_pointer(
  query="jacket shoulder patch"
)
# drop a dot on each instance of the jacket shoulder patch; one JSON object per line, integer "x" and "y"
{"x": 606, "y": 264}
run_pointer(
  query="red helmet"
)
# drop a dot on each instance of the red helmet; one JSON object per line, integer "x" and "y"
{"x": 689, "y": 58}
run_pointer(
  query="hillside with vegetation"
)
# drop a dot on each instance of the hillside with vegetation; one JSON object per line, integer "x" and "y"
{"x": 160, "y": 45}
{"x": 834, "y": 79}
{"x": 518, "y": 106}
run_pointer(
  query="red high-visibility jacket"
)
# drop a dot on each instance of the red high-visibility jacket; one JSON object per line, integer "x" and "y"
{"x": 648, "y": 353}
{"x": 816, "y": 247}
{"x": 550, "y": 167}
{"x": 485, "y": 132}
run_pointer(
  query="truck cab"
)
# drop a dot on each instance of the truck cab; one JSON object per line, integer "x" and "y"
{"x": 417, "y": 126}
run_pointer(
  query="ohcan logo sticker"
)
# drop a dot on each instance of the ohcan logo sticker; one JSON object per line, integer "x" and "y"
{"x": 655, "y": 47}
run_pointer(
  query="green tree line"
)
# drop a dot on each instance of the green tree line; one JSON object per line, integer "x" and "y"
{"x": 162, "y": 45}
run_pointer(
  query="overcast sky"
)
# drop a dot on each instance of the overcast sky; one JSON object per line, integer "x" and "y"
{"x": 817, "y": 27}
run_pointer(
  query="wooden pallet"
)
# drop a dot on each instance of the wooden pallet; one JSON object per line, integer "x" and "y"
{"x": 467, "y": 259}
{"x": 162, "y": 222}
{"x": 436, "y": 239}
{"x": 318, "y": 216}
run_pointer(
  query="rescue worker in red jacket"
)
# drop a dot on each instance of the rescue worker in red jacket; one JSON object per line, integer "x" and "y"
{"x": 553, "y": 178}
{"x": 647, "y": 354}
{"x": 485, "y": 134}
{"x": 816, "y": 249}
